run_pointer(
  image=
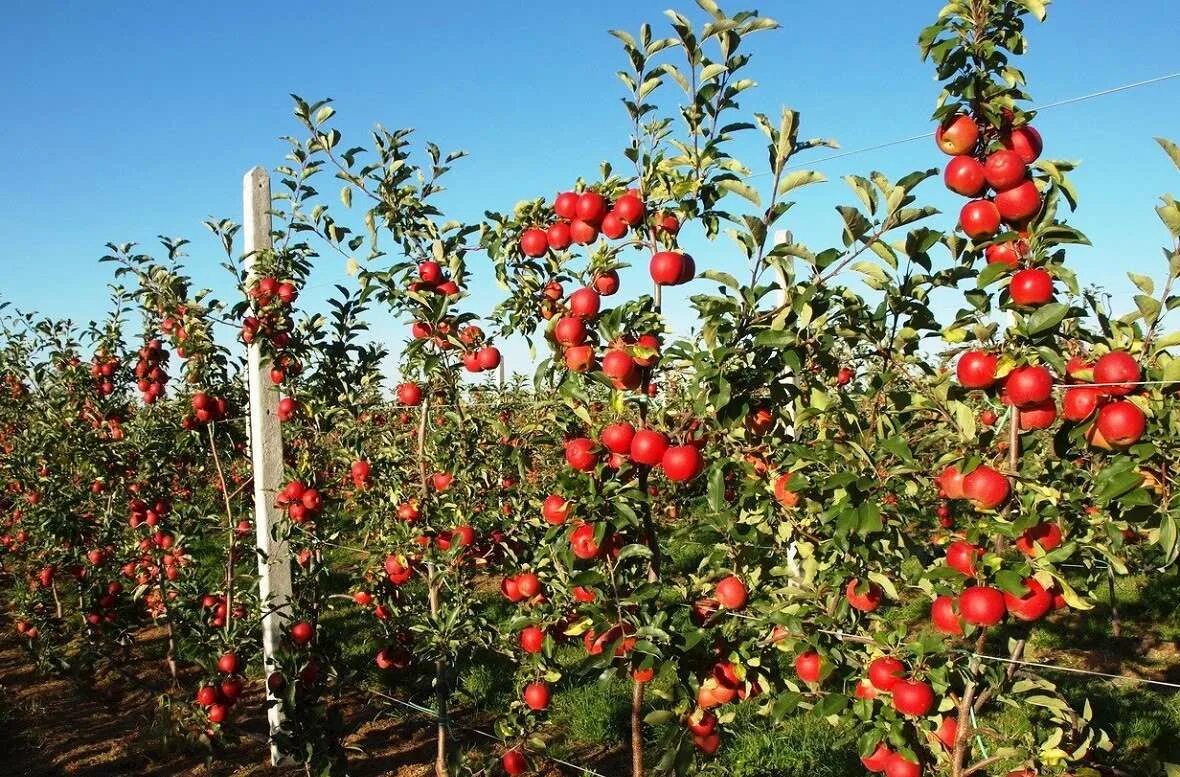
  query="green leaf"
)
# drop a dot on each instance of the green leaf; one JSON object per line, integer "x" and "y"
{"x": 1171, "y": 149}
{"x": 1143, "y": 282}
{"x": 1035, "y": 7}
{"x": 798, "y": 179}
{"x": 742, "y": 189}
{"x": 1149, "y": 307}
{"x": 1045, "y": 317}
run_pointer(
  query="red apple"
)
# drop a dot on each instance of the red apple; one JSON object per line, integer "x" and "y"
{"x": 1119, "y": 368}
{"x": 957, "y": 135}
{"x": 731, "y": 593}
{"x": 965, "y": 175}
{"x": 1004, "y": 169}
{"x": 977, "y": 370}
{"x": 884, "y": 672}
{"x": 986, "y": 488}
{"x": 980, "y": 219}
{"x": 982, "y": 605}
{"x": 1031, "y": 287}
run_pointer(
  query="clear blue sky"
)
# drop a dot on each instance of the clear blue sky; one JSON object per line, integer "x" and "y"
{"x": 124, "y": 121}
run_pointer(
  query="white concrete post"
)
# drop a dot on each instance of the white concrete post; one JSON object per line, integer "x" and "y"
{"x": 266, "y": 454}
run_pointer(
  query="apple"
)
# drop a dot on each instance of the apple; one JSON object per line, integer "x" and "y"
{"x": 1044, "y": 534}
{"x": 534, "y": 242}
{"x": 1033, "y": 606}
{"x": 618, "y": 365}
{"x": 555, "y": 509}
{"x": 868, "y": 601}
{"x": 982, "y": 605}
{"x": 682, "y": 463}
{"x": 877, "y": 760}
{"x": 532, "y": 639}
{"x": 583, "y": 233}
{"x": 514, "y": 762}
{"x": 809, "y": 666}
{"x": 207, "y": 695}
{"x": 409, "y": 394}
{"x": 228, "y": 663}
{"x": 977, "y": 370}
{"x": 980, "y": 219}
{"x": 1019, "y": 203}
{"x": 528, "y": 585}
{"x": 912, "y": 697}
{"x": 865, "y": 690}
{"x": 702, "y": 723}
{"x": 1004, "y": 169}
{"x": 1025, "y": 141}
{"x": 510, "y": 590}
{"x": 558, "y": 236}
{"x": 900, "y": 766}
{"x": 957, "y": 134}
{"x": 950, "y": 482}
{"x": 986, "y": 488}
{"x": 617, "y": 437}
{"x": 961, "y": 556}
{"x": 648, "y": 447}
{"x": 988, "y": 417}
{"x": 218, "y": 713}
{"x": 536, "y": 696}
{"x": 579, "y": 358}
{"x": 301, "y": 632}
{"x": 965, "y": 175}
{"x": 606, "y": 283}
{"x": 1028, "y": 385}
{"x": 783, "y": 493}
{"x": 1003, "y": 253}
{"x": 489, "y": 357}
{"x": 591, "y": 207}
{"x": 570, "y": 331}
{"x": 884, "y": 672}
{"x": 1120, "y": 368}
{"x": 584, "y": 303}
{"x": 1040, "y": 416}
{"x": 1120, "y": 424}
{"x": 566, "y": 205}
{"x": 1079, "y": 403}
{"x": 583, "y": 544}
{"x": 613, "y": 226}
{"x": 1031, "y": 287}
{"x": 672, "y": 268}
{"x": 731, "y": 593}
{"x": 580, "y": 454}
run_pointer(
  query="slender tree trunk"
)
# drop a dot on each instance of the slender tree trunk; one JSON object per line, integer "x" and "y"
{"x": 229, "y": 516}
{"x": 440, "y": 667}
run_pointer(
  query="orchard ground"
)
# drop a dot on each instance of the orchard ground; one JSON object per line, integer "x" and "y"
{"x": 54, "y": 727}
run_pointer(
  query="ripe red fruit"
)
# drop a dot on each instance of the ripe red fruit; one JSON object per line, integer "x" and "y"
{"x": 1026, "y": 142}
{"x": 510, "y": 590}
{"x": 1031, "y": 287}
{"x": 865, "y": 689}
{"x": 207, "y": 695}
{"x": 613, "y": 226}
{"x": 488, "y": 357}
{"x": 868, "y": 600}
{"x": 583, "y": 233}
{"x": 648, "y": 447}
{"x": 1028, "y": 385}
{"x": 570, "y": 331}
{"x": 1040, "y": 416}
{"x": 558, "y": 236}
{"x": 912, "y": 697}
{"x": 988, "y": 417}
{"x": 528, "y": 584}
{"x": 617, "y": 437}
{"x": 514, "y": 763}
{"x": 441, "y": 480}
{"x": 582, "y": 542}
{"x": 986, "y": 488}
{"x": 579, "y": 358}
{"x": 555, "y": 509}
{"x": 809, "y": 666}
{"x": 704, "y": 725}
{"x": 649, "y": 344}
{"x": 731, "y": 593}
{"x": 950, "y": 483}
{"x": 430, "y": 272}
{"x": 965, "y": 175}
{"x": 900, "y": 766}
{"x": 301, "y": 632}
{"x": 408, "y": 512}
{"x": 1079, "y": 403}
{"x": 1004, "y": 169}
{"x": 630, "y": 209}
{"x": 982, "y": 605}
{"x": 579, "y": 454}
{"x": 1033, "y": 606}
{"x": 1003, "y": 253}
{"x": 621, "y": 368}
{"x": 218, "y": 713}
{"x": 682, "y": 463}
{"x": 449, "y": 288}
{"x": 1120, "y": 424}
{"x": 961, "y": 556}
{"x": 606, "y": 283}
{"x": 943, "y": 613}
{"x": 409, "y": 394}
{"x": 948, "y": 732}
{"x": 591, "y": 207}
{"x": 980, "y": 219}
{"x": 671, "y": 268}
{"x": 884, "y": 672}
{"x": 878, "y": 759}
{"x": 534, "y": 242}
{"x": 228, "y": 663}
{"x": 977, "y": 370}
{"x": 707, "y": 744}
{"x": 536, "y": 696}
{"x": 584, "y": 303}
{"x": 1020, "y": 202}
{"x": 1117, "y": 367}
{"x": 957, "y": 134}
{"x": 1047, "y": 535}
{"x": 566, "y": 205}
{"x": 532, "y": 639}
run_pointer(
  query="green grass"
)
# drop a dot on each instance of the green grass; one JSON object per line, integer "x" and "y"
{"x": 800, "y": 747}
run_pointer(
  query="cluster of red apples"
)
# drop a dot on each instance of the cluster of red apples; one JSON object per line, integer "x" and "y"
{"x": 580, "y": 218}
{"x": 217, "y": 699}
{"x": 302, "y": 502}
{"x": 149, "y": 371}
{"x": 622, "y": 442}
{"x": 206, "y": 408}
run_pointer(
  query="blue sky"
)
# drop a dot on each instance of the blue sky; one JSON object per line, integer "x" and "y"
{"x": 123, "y": 123}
